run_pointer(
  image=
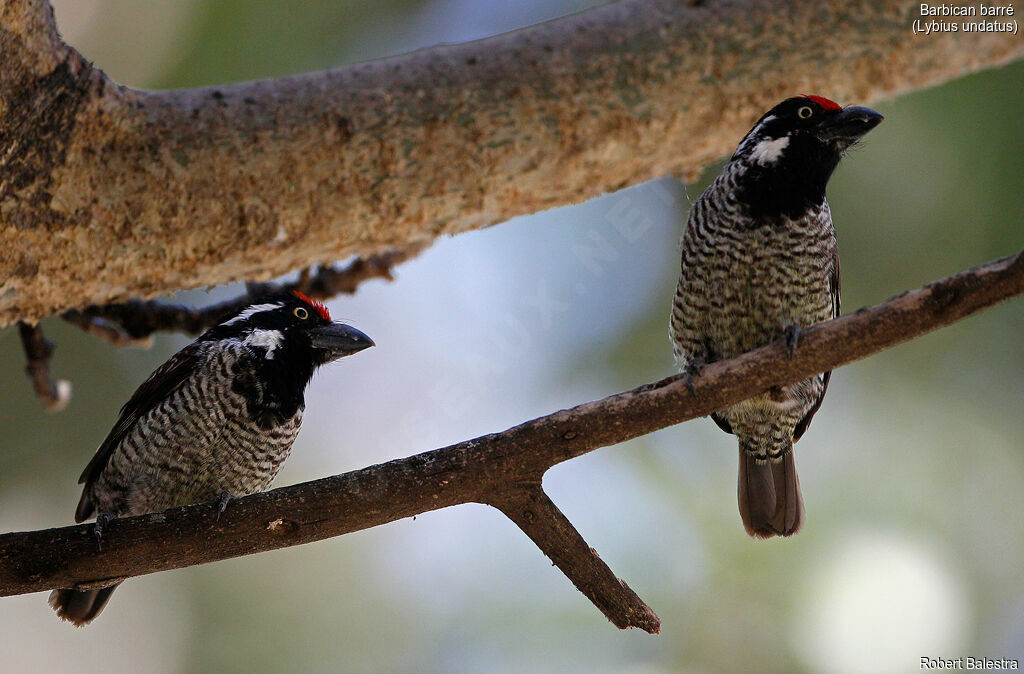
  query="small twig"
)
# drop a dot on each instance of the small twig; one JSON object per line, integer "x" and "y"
{"x": 329, "y": 281}
{"x": 132, "y": 322}
{"x": 104, "y": 329}
{"x": 39, "y": 350}
{"x": 302, "y": 283}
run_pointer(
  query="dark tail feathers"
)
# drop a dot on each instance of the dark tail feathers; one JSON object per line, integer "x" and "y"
{"x": 769, "y": 494}
{"x": 80, "y": 606}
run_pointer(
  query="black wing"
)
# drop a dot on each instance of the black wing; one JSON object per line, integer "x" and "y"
{"x": 833, "y": 286}
{"x": 722, "y": 422}
{"x": 160, "y": 384}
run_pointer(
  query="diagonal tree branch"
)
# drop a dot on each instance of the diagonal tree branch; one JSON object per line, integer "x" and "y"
{"x": 503, "y": 469}
{"x": 540, "y": 519}
{"x": 109, "y": 193}
{"x": 132, "y": 322}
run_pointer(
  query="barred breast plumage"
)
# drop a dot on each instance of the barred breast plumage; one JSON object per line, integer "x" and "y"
{"x": 216, "y": 421}
{"x": 759, "y": 263}
{"x": 199, "y": 442}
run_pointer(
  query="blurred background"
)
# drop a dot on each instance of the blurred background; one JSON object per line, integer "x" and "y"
{"x": 912, "y": 470}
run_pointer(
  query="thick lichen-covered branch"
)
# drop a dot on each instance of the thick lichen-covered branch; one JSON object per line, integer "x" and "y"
{"x": 109, "y": 194}
{"x": 503, "y": 469}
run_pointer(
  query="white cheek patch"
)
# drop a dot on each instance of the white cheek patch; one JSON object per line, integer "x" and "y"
{"x": 267, "y": 339}
{"x": 249, "y": 311}
{"x": 768, "y": 151}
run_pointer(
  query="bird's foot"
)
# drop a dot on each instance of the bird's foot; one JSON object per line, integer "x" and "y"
{"x": 793, "y": 333}
{"x": 221, "y": 503}
{"x": 100, "y": 528}
{"x": 690, "y": 374}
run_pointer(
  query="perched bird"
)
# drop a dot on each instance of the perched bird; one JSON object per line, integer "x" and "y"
{"x": 759, "y": 262}
{"x": 215, "y": 421}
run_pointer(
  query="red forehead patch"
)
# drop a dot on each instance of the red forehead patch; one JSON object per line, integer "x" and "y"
{"x": 317, "y": 306}
{"x": 825, "y": 103}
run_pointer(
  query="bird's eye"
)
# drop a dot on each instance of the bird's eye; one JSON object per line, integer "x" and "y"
{"x": 805, "y": 112}
{"x": 301, "y": 313}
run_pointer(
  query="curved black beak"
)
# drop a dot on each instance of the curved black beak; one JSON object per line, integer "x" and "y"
{"x": 849, "y": 125}
{"x": 338, "y": 340}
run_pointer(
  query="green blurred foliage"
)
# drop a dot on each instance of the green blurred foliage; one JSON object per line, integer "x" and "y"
{"x": 233, "y": 40}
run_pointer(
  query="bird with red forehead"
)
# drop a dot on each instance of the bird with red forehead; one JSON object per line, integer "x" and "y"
{"x": 760, "y": 263}
{"x": 214, "y": 422}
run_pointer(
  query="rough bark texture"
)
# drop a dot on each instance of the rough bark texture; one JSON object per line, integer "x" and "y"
{"x": 108, "y": 193}
{"x": 503, "y": 469}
